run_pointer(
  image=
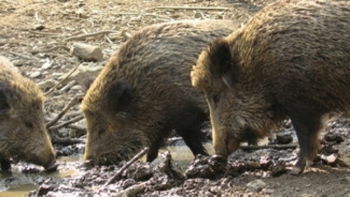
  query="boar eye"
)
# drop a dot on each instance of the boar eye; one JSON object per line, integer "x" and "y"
{"x": 100, "y": 131}
{"x": 215, "y": 98}
{"x": 28, "y": 125}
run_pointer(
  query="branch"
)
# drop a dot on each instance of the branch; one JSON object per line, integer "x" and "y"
{"x": 62, "y": 80}
{"x": 276, "y": 146}
{"x": 76, "y": 127}
{"x": 24, "y": 56}
{"x": 50, "y": 49}
{"x": 132, "y": 191}
{"x": 191, "y": 8}
{"x": 79, "y": 37}
{"x": 121, "y": 170}
{"x": 66, "y": 141}
{"x": 64, "y": 124}
{"x": 64, "y": 111}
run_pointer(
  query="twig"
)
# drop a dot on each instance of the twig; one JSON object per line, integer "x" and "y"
{"x": 173, "y": 140}
{"x": 140, "y": 14}
{"x": 66, "y": 141}
{"x": 276, "y": 146}
{"x": 50, "y": 49}
{"x": 64, "y": 111}
{"x": 191, "y": 8}
{"x": 126, "y": 35}
{"x": 47, "y": 33}
{"x": 76, "y": 127}
{"x": 24, "y": 56}
{"x": 62, "y": 80}
{"x": 68, "y": 86}
{"x": 121, "y": 170}
{"x": 108, "y": 40}
{"x": 78, "y": 37}
{"x": 76, "y": 119}
{"x": 132, "y": 191}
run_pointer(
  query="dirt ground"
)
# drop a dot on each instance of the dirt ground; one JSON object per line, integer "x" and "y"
{"x": 37, "y": 35}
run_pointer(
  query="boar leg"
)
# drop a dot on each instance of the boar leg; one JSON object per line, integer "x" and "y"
{"x": 156, "y": 144}
{"x": 193, "y": 139}
{"x": 153, "y": 152}
{"x": 189, "y": 128}
{"x": 5, "y": 164}
{"x": 307, "y": 125}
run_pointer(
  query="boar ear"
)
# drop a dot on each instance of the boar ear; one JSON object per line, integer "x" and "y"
{"x": 4, "y": 105}
{"x": 120, "y": 97}
{"x": 222, "y": 64}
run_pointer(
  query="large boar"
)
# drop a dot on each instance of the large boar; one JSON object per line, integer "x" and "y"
{"x": 291, "y": 60}
{"x": 23, "y": 135}
{"x": 145, "y": 91}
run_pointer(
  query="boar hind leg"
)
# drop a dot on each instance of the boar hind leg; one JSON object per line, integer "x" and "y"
{"x": 5, "y": 164}
{"x": 307, "y": 125}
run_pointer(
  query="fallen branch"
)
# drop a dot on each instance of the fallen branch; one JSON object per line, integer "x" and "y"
{"x": 173, "y": 140}
{"x": 64, "y": 111}
{"x": 76, "y": 127}
{"x": 132, "y": 191}
{"x": 108, "y": 40}
{"x": 275, "y": 146}
{"x": 64, "y": 124}
{"x": 24, "y": 56}
{"x": 121, "y": 170}
{"x": 69, "y": 85}
{"x": 79, "y": 37}
{"x": 50, "y": 49}
{"x": 191, "y": 8}
{"x": 62, "y": 80}
{"x": 46, "y": 33}
{"x": 141, "y": 14}
{"x": 66, "y": 141}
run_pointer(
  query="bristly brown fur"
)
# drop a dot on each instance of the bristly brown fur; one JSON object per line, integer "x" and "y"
{"x": 293, "y": 61}
{"x": 23, "y": 135}
{"x": 152, "y": 69}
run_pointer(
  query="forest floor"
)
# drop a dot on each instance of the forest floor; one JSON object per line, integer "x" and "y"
{"x": 37, "y": 36}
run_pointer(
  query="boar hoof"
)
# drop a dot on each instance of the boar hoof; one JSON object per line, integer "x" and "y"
{"x": 296, "y": 170}
{"x": 5, "y": 165}
{"x": 219, "y": 158}
{"x": 299, "y": 167}
{"x": 51, "y": 168}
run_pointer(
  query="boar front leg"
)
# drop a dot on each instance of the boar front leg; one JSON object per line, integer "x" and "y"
{"x": 153, "y": 150}
{"x": 5, "y": 164}
{"x": 193, "y": 138}
{"x": 188, "y": 126}
{"x": 307, "y": 124}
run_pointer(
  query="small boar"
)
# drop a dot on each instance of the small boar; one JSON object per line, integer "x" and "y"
{"x": 145, "y": 91}
{"x": 291, "y": 60}
{"x": 23, "y": 134}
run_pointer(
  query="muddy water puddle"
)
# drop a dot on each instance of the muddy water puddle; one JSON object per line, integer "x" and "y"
{"x": 19, "y": 183}
{"x": 182, "y": 155}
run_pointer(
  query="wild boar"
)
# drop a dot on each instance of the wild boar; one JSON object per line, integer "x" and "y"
{"x": 23, "y": 134}
{"x": 145, "y": 91}
{"x": 291, "y": 60}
